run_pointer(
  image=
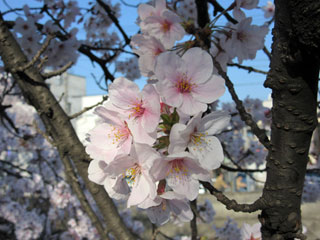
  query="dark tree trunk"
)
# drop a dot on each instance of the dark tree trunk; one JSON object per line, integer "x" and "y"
{"x": 293, "y": 78}
{"x": 58, "y": 125}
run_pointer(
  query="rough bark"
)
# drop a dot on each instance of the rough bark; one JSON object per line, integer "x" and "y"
{"x": 293, "y": 78}
{"x": 58, "y": 125}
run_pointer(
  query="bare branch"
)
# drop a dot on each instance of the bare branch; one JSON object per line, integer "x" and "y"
{"x": 219, "y": 8}
{"x": 238, "y": 169}
{"x": 245, "y": 116}
{"x": 102, "y": 63}
{"x": 259, "y": 204}
{"x": 129, "y": 5}
{"x": 15, "y": 166}
{"x": 249, "y": 68}
{"x": 114, "y": 20}
{"x": 38, "y": 54}
{"x": 104, "y": 98}
{"x": 266, "y": 51}
{"x": 57, "y": 72}
{"x": 156, "y": 232}
{"x": 193, "y": 222}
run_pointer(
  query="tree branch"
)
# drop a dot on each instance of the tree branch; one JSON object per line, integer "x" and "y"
{"x": 245, "y": 116}
{"x": 114, "y": 20}
{"x": 249, "y": 68}
{"x": 193, "y": 222}
{"x": 58, "y": 71}
{"x": 259, "y": 204}
{"x": 37, "y": 55}
{"x": 104, "y": 98}
{"x": 219, "y": 8}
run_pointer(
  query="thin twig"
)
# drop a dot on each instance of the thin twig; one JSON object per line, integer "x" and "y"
{"x": 156, "y": 232}
{"x": 108, "y": 10}
{"x": 193, "y": 222}
{"x": 43, "y": 134}
{"x": 245, "y": 116}
{"x": 266, "y": 51}
{"x": 15, "y": 166}
{"x": 248, "y": 68}
{"x": 238, "y": 169}
{"x": 104, "y": 98}
{"x": 129, "y": 5}
{"x": 219, "y": 8}
{"x": 38, "y": 54}
{"x": 57, "y": 72}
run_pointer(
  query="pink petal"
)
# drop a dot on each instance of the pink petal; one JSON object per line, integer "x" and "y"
{"x": 182, "y": 209}
{"x": 123, "y": 93}
{"x": 209, "y": 91}
{"x": 199, "y": 64}
{"x": 96, "y": 171}
{"x": 117, "y": 188}
{"x": 214, "y": 122}
{"x": 210, "y": 153}
{"x": 191, "y": 105}
{"x": 177, "y": 143}
{"x": 151, "y": 103}
{"x": 167, "y": 65}
{"x": 140, "y": 191}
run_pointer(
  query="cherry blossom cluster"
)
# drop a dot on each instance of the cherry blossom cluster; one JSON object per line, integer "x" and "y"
{"x": 241, "y": 40}
{"x": 30, "y": 37}
{"x": 153, "y": 146}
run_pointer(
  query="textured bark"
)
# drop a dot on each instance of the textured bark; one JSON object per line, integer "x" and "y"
{"x": 58, "y": 126}
{"x": 293, "y": 78}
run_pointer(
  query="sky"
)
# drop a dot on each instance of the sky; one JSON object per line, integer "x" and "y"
{"x": 245, "y": 84}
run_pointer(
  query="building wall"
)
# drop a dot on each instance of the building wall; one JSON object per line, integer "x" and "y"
{"x": 69, "y": 89}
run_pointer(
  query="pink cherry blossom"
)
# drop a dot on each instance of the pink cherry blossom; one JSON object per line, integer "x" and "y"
{"x": 160, "y": 22}
{"x": 149, "y": 49}
{"x": 116, "y": 187}
{"x": 247, "y": 39}
{"x": 142, "y": 109}
{"x": 146, "y": 10}
{"x": 251, "y": 232}
{"x": 135, "y": 167}
{"x": 246, "y": 4}
{"x": 187, "y": 83}
{"x": 170, "y": 202}
{"x": 182, "y": 173}
{"x": 268, "y": 9}
{"x": 110, "y": 137}
{"x": 197, "y": 135}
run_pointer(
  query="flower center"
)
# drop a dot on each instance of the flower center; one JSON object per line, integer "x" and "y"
{"x": 158, "y": 51}
{"x": 119, "y": 134}
{"x": 241, "y": 36}
{"x": 166, "y": 26}
{"x": 197, "y": 138}
{"x": 178, "y": 169}
{"x": 132, "y": 173}
{"x": 183, "y": 85}
{"x": 137, "y": 110}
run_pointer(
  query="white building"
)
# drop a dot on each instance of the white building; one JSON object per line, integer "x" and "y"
{"x": 70, "y": 91}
